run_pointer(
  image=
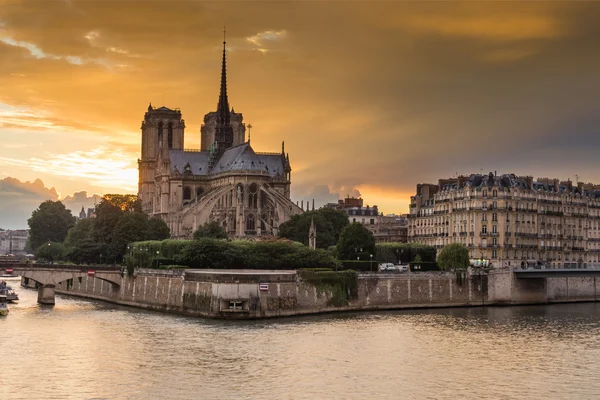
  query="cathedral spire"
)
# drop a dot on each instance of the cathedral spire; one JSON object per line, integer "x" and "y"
{"x": 223, "y": 106}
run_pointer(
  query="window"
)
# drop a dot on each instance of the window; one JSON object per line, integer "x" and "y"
{"x": 187, "y": 193}
{"x": 372, "y": 221}
{"x": 494, "y": 241}
{"x": 160, "y": 134}
{"x": 494, "y": 254}
{"x": 170, "y": 135}
{"x": 494, "y": 228}
{"x": 484, "y": 229}
{"x": 494, "y": 217}
{"x": 484, "y": 194}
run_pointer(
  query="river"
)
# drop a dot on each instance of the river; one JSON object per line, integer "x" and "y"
{"x": 83, "y": 349}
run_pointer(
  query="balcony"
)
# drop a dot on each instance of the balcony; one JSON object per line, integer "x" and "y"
{"x": 483, "y": 234}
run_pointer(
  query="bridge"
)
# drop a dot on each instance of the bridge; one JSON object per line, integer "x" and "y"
{"x": 47, "y": 276}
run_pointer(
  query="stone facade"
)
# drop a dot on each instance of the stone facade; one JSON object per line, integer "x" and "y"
{"x": 510, "y": 220}
{"x": 13, "y": 242}
{"x": 226, "y": 181}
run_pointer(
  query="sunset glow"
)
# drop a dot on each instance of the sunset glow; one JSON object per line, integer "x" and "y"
{"x": 370, "y": 99}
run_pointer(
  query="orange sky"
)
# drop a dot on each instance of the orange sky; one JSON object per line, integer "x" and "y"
{"x": 370, "y": 98}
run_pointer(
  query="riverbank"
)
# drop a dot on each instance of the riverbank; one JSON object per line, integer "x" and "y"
{"x": 255, "y": 294}
{"x": 239, "y": 294}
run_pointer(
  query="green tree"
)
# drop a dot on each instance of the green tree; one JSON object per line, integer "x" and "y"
{"x": 158, "y": 229}
{"x": 50, "y": 251}
{"x": 353, "y": 238}
{"x": 211, "y": 230}
{"x": 131, "y": 227}
{"x": 50, "y": 222}
{"x": 329, "y": 224}
{"x": 453, "y": 256}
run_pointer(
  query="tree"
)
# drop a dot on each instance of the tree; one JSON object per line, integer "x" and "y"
{"x": 211, "y": 230}
{"x": 50, "y": 251}
{"x": 158, "y": 229}
{"x": 353, "y": 238}
{"x": 453, "y": 256}
{"x": 126, "y": 202}
{"x": 329, "y": 224}
{"x": 50, "y": 222}
{"x": 131, "y": 227}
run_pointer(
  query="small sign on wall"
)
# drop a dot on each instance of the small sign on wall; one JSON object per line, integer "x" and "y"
{"x": 91, "y": 273}
{"x": 263, "y": 287}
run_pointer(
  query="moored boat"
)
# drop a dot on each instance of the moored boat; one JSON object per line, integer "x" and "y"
{"x": 9, "y": 292}
{"x": 3, "y": 306}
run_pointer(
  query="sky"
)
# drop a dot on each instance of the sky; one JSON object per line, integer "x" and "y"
{"x": 370, "y": 98}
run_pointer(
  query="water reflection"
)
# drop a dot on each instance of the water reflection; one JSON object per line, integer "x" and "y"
{"x": 80, "y": 349}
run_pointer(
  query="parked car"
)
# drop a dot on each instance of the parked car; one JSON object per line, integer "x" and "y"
{"x": 387, "y": 267}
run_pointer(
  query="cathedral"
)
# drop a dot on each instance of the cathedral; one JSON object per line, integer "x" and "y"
{"x": 246, "y": 192}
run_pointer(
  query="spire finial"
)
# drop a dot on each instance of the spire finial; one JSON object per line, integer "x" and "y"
{"x": 249, "y": 129}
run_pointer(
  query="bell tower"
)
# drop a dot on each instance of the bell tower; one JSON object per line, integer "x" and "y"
{"x": 162, "y": 131}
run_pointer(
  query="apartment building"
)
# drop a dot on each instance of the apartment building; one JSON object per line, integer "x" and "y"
{"x": 511, "y": 220}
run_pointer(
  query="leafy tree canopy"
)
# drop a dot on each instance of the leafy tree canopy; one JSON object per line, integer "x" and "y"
{"x": 329, "y": 224}
{"x": 119, "y": 221}
{"x": 50, "y": 251}
{"x": 353, "y": 238}
{"x": 453, "y": 256}
{"x": 49, "y": 223}
{"x": 211, "y": 230}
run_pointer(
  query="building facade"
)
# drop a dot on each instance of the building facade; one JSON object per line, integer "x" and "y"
{"x": 389, "y": 228}
{"x": 510, "y": 220}
{"x": 246, "y": 192}
{"x": 13, "y": 242}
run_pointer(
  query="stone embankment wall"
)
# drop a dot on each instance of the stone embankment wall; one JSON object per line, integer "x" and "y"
{"x": 282, "y": 294}
{"x": 250, "y": 294}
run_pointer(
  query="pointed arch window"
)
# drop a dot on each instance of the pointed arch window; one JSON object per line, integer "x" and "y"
{"x": 160, "y": 134}
{"x": 170, "y": 135}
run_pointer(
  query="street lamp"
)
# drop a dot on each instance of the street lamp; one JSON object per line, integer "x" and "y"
{"x": 101, "y": 258}
{"x": 371, "y": 262}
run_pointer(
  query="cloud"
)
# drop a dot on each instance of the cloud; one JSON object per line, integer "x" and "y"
{"x": 490, "y": 27}
{"x": 20, "y": 199}
{"x": 101, "y": 167}
{"x": 39, "y": 54}
{"x": 262, "y": 41}
{"x": 94, "y": 39}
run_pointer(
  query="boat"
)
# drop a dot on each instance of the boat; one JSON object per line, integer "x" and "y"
{"x": 3, "y": 306}
{"x": 8, "y": 292}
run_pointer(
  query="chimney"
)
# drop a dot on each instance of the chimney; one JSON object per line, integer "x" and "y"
{"x": 313, "y": 205}
{"x": 302, "y": 205}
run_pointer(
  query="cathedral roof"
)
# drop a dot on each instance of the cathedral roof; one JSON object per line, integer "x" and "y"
{"x": 237, "y": 158}
{"x": 198, "y": 161}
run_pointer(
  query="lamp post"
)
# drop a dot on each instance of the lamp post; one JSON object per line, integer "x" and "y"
{"x": 157, "y": 260}
{"x": 100, "y": 258}
{"x": 371, "y": 262}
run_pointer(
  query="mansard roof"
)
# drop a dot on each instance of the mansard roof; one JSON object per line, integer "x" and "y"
{"x": 511, "y": 181}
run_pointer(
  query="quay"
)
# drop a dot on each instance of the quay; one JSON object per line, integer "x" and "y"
{"x": 253, "y": 294}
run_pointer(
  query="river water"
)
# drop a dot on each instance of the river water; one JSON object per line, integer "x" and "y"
{"x": 83, "y": 349}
